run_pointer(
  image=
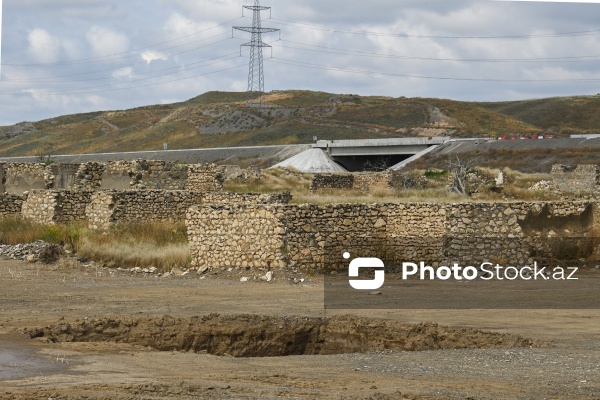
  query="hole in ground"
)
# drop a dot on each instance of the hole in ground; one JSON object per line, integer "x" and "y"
{"x": 262, "y": 336}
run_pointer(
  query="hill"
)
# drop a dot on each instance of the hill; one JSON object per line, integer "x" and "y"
{"x": 221, "y": 119}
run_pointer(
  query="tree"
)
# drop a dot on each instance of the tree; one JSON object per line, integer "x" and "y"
{"x": 459, "y": 170}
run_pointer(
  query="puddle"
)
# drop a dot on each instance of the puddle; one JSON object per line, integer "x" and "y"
{"x": 262, "y": 336}
{"x": 18, "y": 360}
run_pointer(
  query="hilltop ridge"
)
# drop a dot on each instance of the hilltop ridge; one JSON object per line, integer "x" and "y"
{"x": 221, "y": 119}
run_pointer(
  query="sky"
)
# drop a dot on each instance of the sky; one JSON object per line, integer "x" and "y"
{"x": 69, "y": 56}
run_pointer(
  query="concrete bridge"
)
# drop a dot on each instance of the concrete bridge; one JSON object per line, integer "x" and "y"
{"x": 358, "y": 155}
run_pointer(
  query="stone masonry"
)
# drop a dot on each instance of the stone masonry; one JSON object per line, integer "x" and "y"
{"x": 313, "y": 238}
{"x": 362, "y": 181}
{"x": 10, "y": 205}
{"x": 584, "y": 178}
{"x": 205, "y": 178}
{"x": 107, "y": 208}
{"x": 18, "y": 178}
{"x": 56, "y": 206}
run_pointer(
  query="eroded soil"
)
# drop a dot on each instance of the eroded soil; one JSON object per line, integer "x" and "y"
{"x": 108, "y": 335}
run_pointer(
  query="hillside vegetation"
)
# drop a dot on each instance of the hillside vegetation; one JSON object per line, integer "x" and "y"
{"x": 221, "y": 119}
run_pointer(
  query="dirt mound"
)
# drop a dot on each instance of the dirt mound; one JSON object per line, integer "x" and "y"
{"x": 261, "y": 336}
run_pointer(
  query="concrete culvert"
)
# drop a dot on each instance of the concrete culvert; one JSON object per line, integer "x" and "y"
{"x": 260, "y": 336}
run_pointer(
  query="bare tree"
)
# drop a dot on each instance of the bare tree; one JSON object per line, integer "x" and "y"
{"x": 379, "y": 165}
{"x": 459, "y": 171}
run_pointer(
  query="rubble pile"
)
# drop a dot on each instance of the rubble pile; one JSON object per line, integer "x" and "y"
{"x": 33, "y": 252}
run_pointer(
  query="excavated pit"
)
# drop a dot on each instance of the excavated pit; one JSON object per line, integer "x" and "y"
{"x": 261, "y": 336}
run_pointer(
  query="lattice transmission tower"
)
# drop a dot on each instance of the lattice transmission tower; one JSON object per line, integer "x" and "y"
{"x": 256, "y": 77}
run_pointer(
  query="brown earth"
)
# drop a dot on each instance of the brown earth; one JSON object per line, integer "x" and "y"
{"x": 103, "y": 331}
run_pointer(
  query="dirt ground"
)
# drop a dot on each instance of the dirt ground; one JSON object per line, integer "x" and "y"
{"x": 78, "y": 314}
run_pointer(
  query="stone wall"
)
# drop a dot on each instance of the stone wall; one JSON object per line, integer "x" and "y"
{"x": 2, "y": 179}
{"x": 235, "y": 173}
{"x": 17, "y": 178}
{"x": 10, "y": 205}
{"x": 205, "y": 178}
{"x": 56, "y": 206}
{"x": 144, "y": 174}
{"x": 584, "y": 178}
{"x": 361, "y": 181}
{"x": 22, "y": 177}
{"x": 313, "y": 237}
{"x": 109, "y": 207}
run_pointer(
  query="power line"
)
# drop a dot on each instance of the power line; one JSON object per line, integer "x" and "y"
{"x": 125, "y": 88}
{"x": 573, "y": 59}
{"x": 284, "y": 61}
{"x": 112, "y": 57}
{"x": 256, "y": 78}
{"x": 407, "y": 35}
{"x": 46, "y": 80}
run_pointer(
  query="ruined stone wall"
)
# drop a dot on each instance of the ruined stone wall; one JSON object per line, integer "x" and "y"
{"x": 22, "y": 177}
{"x": 584, "y": 178}
{"x": 235, "y": 173}
{"x": 255, "y": 238}
{"x": 10, "y": 205}
{"x": 245, "y": 198}
{"x": 331, "y": 181}
{"x": 17, "y": 178}
{"x": 88, "y": 176}
{"x": 205, "y": 178}
{"x": 362, "y": 181}
{"x": 61, "y": 176}
{"x": 368, "y": 181}
{"x": 2, "y": 179}
{"x": 109, "y": 207}
{"x": 314, "y": 238}
{"x": 56, "y": 206}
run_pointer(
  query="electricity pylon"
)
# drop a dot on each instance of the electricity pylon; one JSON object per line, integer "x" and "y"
{"x": 256, "y": 77}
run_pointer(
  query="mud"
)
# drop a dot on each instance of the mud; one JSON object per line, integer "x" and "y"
{"x": 264, "y": 336}
{"x": 49, "y": 300}
{"x": 19, "y": 359}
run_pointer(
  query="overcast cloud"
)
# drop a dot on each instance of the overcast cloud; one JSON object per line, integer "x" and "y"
{"x": 69, "y": 56}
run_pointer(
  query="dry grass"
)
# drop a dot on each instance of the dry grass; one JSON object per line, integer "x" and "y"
{"x": 274, "y": 181}
{"x": 16, "y": 230}
{"x": 137, "y": 254}
{"x": 163, "y": 245}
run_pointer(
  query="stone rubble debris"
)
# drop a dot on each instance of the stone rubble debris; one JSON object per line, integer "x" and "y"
{"x": 39, "y": 250}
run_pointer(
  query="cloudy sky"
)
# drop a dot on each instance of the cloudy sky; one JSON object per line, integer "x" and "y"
{"x": 68, "y": 56}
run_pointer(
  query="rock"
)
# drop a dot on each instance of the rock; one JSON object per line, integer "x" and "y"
{"x": 267, "y": 277}
{"x": 376, "y": 293}
{"x": 202, "y": 269}
{"x": 244, "y": 279}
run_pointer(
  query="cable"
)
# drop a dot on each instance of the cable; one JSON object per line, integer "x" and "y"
{"x": 132, "y": 52}
{"x": 126, "y": 88}
{"x": 406, "y": 35}
{"x": 230, "y": 56}
{"x": 328, "y": 68}
{"x": 489, "y": 60}
{"x": 44, "y": 80}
